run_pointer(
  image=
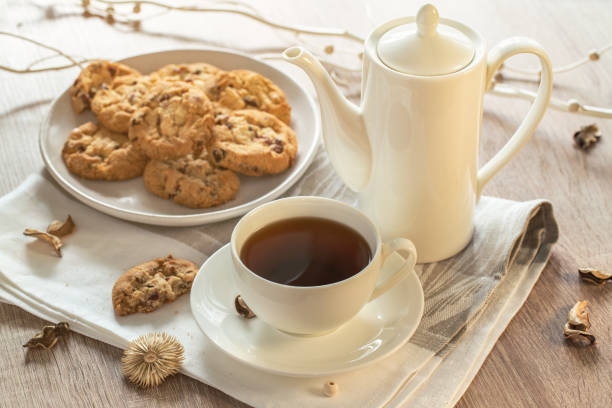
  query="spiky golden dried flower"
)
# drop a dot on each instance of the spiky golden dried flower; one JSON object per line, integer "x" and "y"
{"x": 151, "y": 358}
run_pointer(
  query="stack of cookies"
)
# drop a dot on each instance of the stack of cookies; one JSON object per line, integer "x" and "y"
{"x": 186, "y": 128}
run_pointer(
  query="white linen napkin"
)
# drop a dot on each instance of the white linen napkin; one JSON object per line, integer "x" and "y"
{"x": 77, "y": 287}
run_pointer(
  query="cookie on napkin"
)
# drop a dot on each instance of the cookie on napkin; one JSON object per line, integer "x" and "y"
{"x": 146, "y": 287}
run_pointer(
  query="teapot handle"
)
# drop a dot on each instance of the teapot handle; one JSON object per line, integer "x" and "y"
{"x": 497, "y": 55}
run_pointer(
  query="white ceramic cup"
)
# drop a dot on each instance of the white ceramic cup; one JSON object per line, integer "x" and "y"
{"x": 317, "y": 310}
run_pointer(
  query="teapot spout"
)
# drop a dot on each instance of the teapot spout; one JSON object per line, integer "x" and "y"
{"x": 344, "y": 133}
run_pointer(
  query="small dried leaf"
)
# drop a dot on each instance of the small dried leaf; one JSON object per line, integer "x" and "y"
{"x": 575, "y": 334}
{"x": 52, "y": 240}
{"x": 587, "y": 136}
{"x": 242, "y": 308}
{"x": 594, "y": 276}
{"x": 47, "y": 338}
{"x": 61, "y": 229}
{"x": 578, "y": 316}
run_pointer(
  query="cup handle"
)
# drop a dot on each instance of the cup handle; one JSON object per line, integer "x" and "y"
{"x": 497, "y": 55}
{"x": 403, "y": 249}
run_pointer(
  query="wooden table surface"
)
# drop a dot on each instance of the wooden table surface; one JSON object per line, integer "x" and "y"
{"x": 531, "y": 365}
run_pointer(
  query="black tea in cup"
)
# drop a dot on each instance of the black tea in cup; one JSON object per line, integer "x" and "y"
{"x": 306, "y": 251}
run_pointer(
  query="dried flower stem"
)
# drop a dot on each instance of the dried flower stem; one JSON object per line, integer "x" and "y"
{"x": 29, "y": 70}
{"x": 317, "y": 31}
{"x": 594, "y": 55}
{"x": 571, "y": 106}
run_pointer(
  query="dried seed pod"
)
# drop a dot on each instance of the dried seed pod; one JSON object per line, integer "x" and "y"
{"x": 52, "y": 240}
{"x": 61, "y": 229}
{"x": 594, "y": 276}
{"x": 151, "y": 358}
{"x": 242, "y": 308}
{"x": 330, "y": 388}
{"x": 575, "y": 334}
{"x": 47, "y": 338}
{"x": 578, "y": 316}
{"x": 587, "y": 136}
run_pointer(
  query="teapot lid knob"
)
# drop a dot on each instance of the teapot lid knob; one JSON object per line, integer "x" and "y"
{"x": 427, "y": 20}
{"x": 425, "y": 45}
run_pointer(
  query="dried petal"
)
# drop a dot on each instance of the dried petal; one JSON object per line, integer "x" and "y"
{"x": 578, "y": 316}
{"x": 48, "y": 336}
{"x": 242, "y": 308}
{"x": 52, "y": 240}
{"x": 575, "y": 334}
{"x": 594, "y": 275}
{"x": 587, "y": 136}
{"x": 61, "y": 229}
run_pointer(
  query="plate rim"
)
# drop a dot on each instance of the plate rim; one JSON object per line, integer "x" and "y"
{"x": 187, "y": 219}
{"x": 308, "y": 374}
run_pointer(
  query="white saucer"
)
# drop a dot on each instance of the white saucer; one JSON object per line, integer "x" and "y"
{"x": 130, "y": 200}
{"x": 379, "y": 329}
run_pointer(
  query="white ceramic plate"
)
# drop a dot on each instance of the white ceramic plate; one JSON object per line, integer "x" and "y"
{"x": 130, "y": 200}
{"x": 379, "y": 329}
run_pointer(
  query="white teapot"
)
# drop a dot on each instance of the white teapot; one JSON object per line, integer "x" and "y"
{"x": 411, "y": 148}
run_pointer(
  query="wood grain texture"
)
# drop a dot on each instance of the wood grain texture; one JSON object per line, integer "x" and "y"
{"x": 531, "y": 365}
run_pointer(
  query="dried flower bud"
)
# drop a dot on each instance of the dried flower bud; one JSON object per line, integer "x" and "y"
{"x": 587, "y": 136}
{"x": 329, "y": 49}
{"x": 242, "y": 308}
{"x": 594, "y": 276}
{"x": 499, "y": 76}
{"x": 593, "y": 55}
{"x": 573, "y": 105}
{"x": 330, "y": 389}
{"x": 85, "y": 3}
{"x": 136, "y": 8}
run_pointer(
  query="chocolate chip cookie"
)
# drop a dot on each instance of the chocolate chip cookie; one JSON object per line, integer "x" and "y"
{"x": 200, "y": 74}
{"x": 175, "y": 120}
{"x": 148, "y": 286}
{"x": 194, "y": 183}
{"x": 94, "y": 152}
{"x": 91, "y": 79}
{"x": 114, "y": 104}
{"x": 252, "y": 142}
{"x": 243, "y": 89}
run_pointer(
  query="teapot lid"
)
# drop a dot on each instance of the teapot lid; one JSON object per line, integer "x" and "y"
{"x": 425, "y": 48}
